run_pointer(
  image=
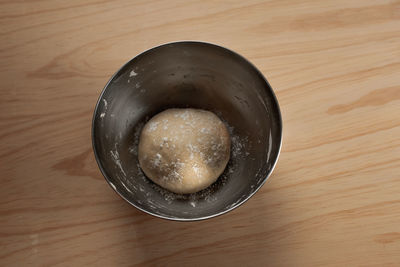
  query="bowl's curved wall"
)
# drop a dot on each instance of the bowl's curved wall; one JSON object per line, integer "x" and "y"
{"x": 188, "y": 74}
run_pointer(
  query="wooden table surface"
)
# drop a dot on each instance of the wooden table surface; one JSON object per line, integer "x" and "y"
{"x": 333, "y": 199}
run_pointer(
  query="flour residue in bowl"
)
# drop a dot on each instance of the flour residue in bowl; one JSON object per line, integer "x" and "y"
{"x": 117, "y": 160}
{"x": 105, "y": 108}
{"x": 132, "y": 73}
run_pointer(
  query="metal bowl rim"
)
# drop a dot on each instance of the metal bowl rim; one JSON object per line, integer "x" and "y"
{"x": 203, "y": 217}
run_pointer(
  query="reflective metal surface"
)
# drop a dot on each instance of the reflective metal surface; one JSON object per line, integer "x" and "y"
{"x": 188, "y": 74}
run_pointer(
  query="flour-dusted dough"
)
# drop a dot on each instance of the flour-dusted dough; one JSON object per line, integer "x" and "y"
{"x": 184, "y": 150}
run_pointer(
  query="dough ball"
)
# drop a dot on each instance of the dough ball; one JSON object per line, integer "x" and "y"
{"x": 184, "y": 150}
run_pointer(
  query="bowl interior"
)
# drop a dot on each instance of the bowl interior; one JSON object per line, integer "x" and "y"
{"x": 196, "y": 75}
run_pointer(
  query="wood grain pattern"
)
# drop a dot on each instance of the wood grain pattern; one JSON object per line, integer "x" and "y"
{"x": 334, "y": 198}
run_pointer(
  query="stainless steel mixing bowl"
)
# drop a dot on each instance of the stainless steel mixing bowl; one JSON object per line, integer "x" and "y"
{"x": 197, "y": 75}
